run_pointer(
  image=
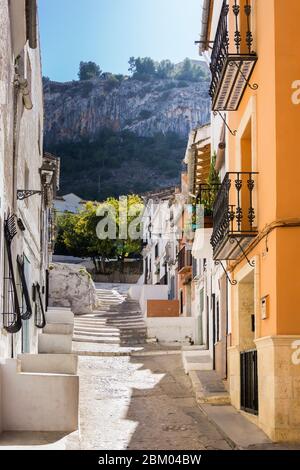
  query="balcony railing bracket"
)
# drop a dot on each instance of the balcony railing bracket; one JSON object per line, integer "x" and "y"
{"x": 216, "y": 113}
{"x": 233, "y": 282}
{"x": 253, "y": 87}
{"x": 251, "y": 263}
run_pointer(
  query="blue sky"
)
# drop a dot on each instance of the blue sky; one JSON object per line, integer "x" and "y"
{"x": 108, "y": 32}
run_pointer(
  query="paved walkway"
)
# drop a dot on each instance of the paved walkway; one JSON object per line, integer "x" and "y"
{"x": 141, "y": 403}
{"x": 135, "y": 395}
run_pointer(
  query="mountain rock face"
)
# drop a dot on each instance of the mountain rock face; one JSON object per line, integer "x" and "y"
{"x": 76, "y": 110}
{"x": 121, "y": 135}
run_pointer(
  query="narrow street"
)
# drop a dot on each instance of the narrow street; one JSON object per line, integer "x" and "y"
{"x": 133, "y": 395}
{"x": 134, "y": 402}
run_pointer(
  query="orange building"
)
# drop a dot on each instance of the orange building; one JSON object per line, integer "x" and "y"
{"x": 253, "y": 51}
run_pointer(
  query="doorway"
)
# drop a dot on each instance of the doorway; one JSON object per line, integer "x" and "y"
{"x": 248, "y": 354}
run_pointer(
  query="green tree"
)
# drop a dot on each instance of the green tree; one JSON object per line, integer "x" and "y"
{"x": 89, "y": 70}
{"x": 186, "y": 70}
{"x": 165, "y": 69}
{"x": 141, "y": 67}
{"x": 213, "y": 176}
{"x": 78, "y": 234}
{"x": 191, "y": 72}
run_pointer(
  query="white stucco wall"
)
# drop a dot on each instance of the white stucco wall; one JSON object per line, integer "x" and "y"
{"x": 48, "y": 363}
{"x": 68, "y": 203}
{"x": 38, "y": 402}
{"x": 150, "y": 292}
{"x": 171, "y": 329}
{"x": 28, "y": 154}
{"x": 135, "y": 292}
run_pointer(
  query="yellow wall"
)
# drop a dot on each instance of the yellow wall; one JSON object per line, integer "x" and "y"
{"x": 275, "y": 135}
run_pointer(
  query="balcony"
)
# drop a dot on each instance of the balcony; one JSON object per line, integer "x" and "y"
{"x": 232, "y": 59}
{"x": 185, "y": 261}
{"x": 234, "y": 216}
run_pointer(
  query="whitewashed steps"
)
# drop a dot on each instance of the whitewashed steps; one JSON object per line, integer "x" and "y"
{"x": 117, "y": 321}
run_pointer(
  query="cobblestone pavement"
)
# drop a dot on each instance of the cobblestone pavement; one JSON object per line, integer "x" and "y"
{"x": 141, "y": 403}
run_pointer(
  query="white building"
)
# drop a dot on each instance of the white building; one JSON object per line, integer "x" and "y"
{"x": 68, "y": 203}
{"x": 28, "y": 182}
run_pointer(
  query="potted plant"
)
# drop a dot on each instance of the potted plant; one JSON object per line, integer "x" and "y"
{"x": 209, "y": 193}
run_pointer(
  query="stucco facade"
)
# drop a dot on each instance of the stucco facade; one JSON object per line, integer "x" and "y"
{"x": 261, "y": 138}
{"x": 21, "y": 143}
{"x": 28, "y": 182}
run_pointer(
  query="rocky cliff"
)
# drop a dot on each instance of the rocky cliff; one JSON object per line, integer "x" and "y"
{"x": 140, "y": 118}
{"x": 80, "y": 109}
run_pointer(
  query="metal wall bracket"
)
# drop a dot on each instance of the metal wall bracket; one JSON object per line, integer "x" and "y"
{"x": 207, "y": 43}
{"x": 252, "y": 87}
{"x": 251, "y": 263}
{"x": 232, "y": 282}
{"x": 215, "y": 113}
{"x": 26, "y": 193}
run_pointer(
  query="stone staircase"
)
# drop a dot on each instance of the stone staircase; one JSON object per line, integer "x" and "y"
{"x": 118, "y": 322}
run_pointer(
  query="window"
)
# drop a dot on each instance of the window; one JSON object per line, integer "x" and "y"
{"x": 181, "y": 302}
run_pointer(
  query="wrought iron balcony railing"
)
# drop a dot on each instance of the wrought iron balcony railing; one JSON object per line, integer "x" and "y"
{"x": 185, "y": 260}
{"x": 232, "y": 59}
{"x": 234, "y": 215}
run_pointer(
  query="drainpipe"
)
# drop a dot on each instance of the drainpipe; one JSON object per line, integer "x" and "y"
{"x": 207, "y": 4}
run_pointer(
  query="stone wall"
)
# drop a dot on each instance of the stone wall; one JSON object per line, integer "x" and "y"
{"x": 71, "y": 286}
{"x": 279, "y": 387}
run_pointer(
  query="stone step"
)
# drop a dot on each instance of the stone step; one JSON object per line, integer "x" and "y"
{"x": 95, "y": 339}
{"x": 112, "y": 324}
{"x": 111, "y": 317}
{"x": 54, "y": 344}
{"x": 59, "y": 328}
{"x": 209, "y": 388}
{"x": 196, "y": 362}
{"x": 101, "y": 334}
{"x": 118, "y": 320}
